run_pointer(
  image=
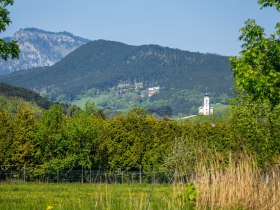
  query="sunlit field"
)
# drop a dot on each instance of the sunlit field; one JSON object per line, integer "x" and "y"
{"x": 238, "y": 186}
{"x": 91, "y": 196}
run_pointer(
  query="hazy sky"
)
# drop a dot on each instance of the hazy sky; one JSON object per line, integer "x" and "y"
{"x": 195, "y": 25}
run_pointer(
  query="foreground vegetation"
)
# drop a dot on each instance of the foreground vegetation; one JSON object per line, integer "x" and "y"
{"x": 86, "y": 140}
{"x": 86, "y": 196}
{"x": 239, "y": 185}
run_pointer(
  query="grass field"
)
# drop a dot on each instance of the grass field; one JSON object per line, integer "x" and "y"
{"x": 238, "y": 185}
{"x": 91, "y": 196}
{"x": 220, "y": 108}
{"x": 81, "y": 102}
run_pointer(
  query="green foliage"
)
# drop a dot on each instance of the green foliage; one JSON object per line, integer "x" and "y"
{"x": 257, "y": 69}
{"x": 270, "y": 3}
{"x": 137, "y": 139}
{"x": 51, "y": 142}
{"x": 256, "y": 72}
{"x": 191, "y": 196}
{"x": 91, "y": 109}
{"x": 82, "y": 134}
{"x": 169, "y": 103}
{"x": 132, "y": 141}
{"x": 180, "y": 100}
{"x": 181, "y": 160}
{"x": 257, "y": 127}
{"x": 7, "y": 49}
{"x": 74, "y": 138}
{"x": 13, "y": 105}
{"x": 25, "y": 94}
{"x": 23, "y": 142}
{"x": 255, "y": 112}
{"x": 208, "y": 141}
{"x": 6, "y": 137}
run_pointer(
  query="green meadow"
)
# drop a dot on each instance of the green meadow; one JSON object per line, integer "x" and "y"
{"x": 239, "y": 186}
{"x": 92, "y": 196}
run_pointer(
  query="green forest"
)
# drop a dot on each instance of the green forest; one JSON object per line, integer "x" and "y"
{"x": 127, "y": 141}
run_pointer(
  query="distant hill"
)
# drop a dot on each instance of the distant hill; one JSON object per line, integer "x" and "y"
{"x": 40, "y": 48}
{"x": 105, "y": 64}
{"x": 25, "y": 94}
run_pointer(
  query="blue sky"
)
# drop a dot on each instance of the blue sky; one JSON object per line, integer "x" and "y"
{"x": 196, "y": 25}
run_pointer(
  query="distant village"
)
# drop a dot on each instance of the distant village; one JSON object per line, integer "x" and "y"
{"x": 125, "y": 87}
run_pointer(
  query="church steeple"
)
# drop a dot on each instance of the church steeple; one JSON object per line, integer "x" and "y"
{"x": 205, "y": 109}
{"x": 206, "y": 93}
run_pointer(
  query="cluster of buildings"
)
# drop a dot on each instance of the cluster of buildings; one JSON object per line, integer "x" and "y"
{"x": 124, "y": 87}
{"x": 153, "y": 90}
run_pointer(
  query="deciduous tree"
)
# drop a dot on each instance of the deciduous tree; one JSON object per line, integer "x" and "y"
{"x": 23, "y": 144}
{"x": 255, "y": 111}
{"x": 270, "y": 3}
{"x": 257, "y": 69}
{"x": 6, "y": 137}
{"x": 7, "y": 49}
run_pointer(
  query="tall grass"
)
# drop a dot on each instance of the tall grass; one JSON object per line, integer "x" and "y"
{"x": 239, "y": 185}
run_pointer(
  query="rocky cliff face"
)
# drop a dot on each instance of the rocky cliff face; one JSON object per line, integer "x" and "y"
{"x": 40, "y": 48}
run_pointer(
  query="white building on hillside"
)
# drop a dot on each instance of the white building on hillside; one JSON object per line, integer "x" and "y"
{"x": 153, "y": 90}
{"x": 205, "y": 109}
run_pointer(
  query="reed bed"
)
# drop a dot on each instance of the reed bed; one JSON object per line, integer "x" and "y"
{"x": 239, "y": 185}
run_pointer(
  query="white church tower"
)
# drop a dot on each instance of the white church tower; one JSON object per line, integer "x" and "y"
{"x": 205, "y": 109}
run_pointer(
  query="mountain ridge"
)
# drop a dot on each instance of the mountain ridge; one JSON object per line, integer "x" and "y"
{"x": 40, "y": 48}
{"x": 86, "y": 56}
{"x": 104, "y": 64}
{"x": 25, "y": 94}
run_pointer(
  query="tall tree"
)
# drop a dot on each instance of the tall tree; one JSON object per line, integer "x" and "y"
{"x": 257, "y": 69}
{"x": 50, "y": 134}
{"x": 6, "y": 137}
{"x": 82, "y": 133}
{"x": 255, "y": 111}
{"x": 7, "y": 49}
{"x": 23, "y": 145}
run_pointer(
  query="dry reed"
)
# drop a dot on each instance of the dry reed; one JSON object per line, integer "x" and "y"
{"x": 239, "y": 185}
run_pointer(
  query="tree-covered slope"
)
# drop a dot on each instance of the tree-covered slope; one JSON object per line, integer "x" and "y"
{"x": 103, "y": 64}
{"x": 25, "y": 94}
{"x": 13, "y": 105}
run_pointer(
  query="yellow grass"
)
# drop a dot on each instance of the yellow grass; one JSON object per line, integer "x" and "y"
{"x": 241, "y": 185}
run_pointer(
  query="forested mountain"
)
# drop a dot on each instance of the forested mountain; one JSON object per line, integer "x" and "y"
{"x": 105, "y": 64}
{"x": 25, "y": 94}
{"x": 40, "y": 48}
